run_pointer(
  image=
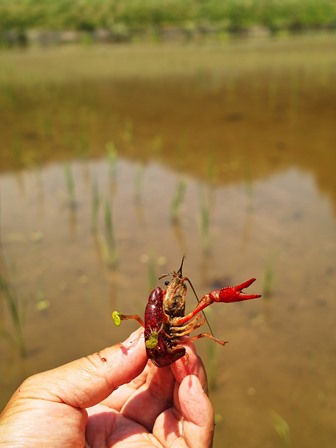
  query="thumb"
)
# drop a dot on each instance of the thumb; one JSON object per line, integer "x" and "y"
{"x": 89, "y": 380}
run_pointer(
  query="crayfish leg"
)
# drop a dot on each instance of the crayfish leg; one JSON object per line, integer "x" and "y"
{"x": 187, "y": 329}
{"x": 209, "y": 336}
{"x": 117, "y": 317}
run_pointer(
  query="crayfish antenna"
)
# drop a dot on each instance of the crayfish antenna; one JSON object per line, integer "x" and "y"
{"x": 198, "y": 300}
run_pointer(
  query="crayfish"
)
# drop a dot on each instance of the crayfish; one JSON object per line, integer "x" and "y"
{"x": 165, "y": 322}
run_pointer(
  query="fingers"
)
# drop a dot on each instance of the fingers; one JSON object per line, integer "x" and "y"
{"x": 197, "y": 413}
{"x": 152, "y": 397}
{"x": 191, "y": 364}
{"x": 190, "y": 423}
{"x": 87, "y": 381}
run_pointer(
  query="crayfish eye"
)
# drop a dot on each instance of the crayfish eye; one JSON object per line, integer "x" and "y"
{"x": 167, "y": 282}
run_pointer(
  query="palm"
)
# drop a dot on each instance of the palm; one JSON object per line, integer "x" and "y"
{"x": 151, "y": 411}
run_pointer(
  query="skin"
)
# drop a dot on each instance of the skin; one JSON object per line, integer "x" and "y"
{"x": 114, "y": 398}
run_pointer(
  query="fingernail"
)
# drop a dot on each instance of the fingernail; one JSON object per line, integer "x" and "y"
{"x": 196, "y": 384}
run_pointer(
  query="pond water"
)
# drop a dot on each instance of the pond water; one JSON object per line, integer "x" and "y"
{"x": 246, "y": 129}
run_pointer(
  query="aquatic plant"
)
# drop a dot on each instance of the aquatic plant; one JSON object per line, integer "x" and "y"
{"x": 138, "y": 181}
{"x": 128, "y": 131}
{"x": 204, "y": 222}
{"x": 268, "y": 277}
{"x": 177, "y": 201}
{"x": 95, "y": 203}
{"x": 152, "y": 277}
{"x": 112, "y": 154}
{"x": 70, "y": 184}
{"x": 111, "y": 252}
{"x": 16, "y": 313}
{"x": 212, "y": 360}
{"x": 212, "y": 170}
{"x": 282, "y": 429}
{"x": 248, "y": 186}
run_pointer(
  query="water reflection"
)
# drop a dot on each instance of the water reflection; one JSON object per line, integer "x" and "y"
{"x": 253, "y": 145}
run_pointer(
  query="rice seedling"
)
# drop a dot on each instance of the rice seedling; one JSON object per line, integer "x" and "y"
{"x": 204, "y": 223}
{"x": 177, "y": 201}
{"x": 95, "y": 203}
{"x": 248, "y": 186}
{"x": 152, "y": 277}
{"x": 138, "y": 182}
{"x": 17, "y": 150}
{"x": 212, "y": 363}
{"x": 282, "y": 429}
{"x": 83, "y": 145}
{"x": 111, "y": 252}
{"x": 212, "y": 360}
{"x": 268, "y": 277}
{"x": 212, "y": 170}
{"x": 70, "y": 184}
{"x": 16, "y": 314}
{"x": 112, "y": 154}
{"x": 156, "y": 144}
{"x": 128, "y": 132}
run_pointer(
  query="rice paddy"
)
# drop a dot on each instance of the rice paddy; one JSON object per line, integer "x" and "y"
{"x": 111, "y": 170}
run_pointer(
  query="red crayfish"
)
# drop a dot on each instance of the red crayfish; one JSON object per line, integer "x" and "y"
{"x": 165, "y": 320}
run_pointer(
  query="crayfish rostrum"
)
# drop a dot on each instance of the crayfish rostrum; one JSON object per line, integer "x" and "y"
{"x": 165, "y": 322}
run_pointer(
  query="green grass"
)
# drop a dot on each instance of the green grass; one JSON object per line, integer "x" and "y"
{"x": 128, "y": 16}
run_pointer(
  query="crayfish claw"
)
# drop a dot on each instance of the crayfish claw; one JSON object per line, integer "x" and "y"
{"x": 235, "y": 293}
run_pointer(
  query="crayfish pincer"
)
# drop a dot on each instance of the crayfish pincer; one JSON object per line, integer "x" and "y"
{"x": 165, "y": 322}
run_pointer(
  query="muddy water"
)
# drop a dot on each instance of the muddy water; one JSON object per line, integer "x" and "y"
{"x": 249, "y": 129}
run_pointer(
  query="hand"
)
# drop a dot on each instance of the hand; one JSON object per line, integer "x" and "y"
{"x": 114, "y": 398}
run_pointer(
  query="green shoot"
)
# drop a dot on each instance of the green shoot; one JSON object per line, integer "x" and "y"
{"x": 248, "y": 186}
{"x": 204, "y": 223}
{"x": 70, "y": 183}
{"x": 177, "y": 201}
{"x": 212, "y": 365}
{"x": 112, "y": 154}
{"x": 112, "y": 257}
{"x": 15, "y": 312}
{"x": 152, "y": 277}
{"x": 127, "y": 133}
{"x": 212, "y": 170}
{"x": 282, "y": 429}
{"x": 95, "y": 202}
{"x": 268, "y": 278}
{"x": 139, "y": 174}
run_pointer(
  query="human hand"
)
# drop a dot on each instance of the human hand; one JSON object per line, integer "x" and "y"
{"x": 114, "y": 398}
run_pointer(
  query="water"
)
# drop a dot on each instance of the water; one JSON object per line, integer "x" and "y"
{"x": 249, "y": 127}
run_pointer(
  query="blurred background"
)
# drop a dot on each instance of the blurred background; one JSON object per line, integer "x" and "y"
{"x": 133, "y": 132}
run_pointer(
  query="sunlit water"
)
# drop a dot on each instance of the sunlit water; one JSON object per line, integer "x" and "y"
{"x": 249, "y": 130}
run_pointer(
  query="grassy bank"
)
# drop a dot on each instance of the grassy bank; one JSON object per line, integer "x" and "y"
{"x": 129, "y": 17}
